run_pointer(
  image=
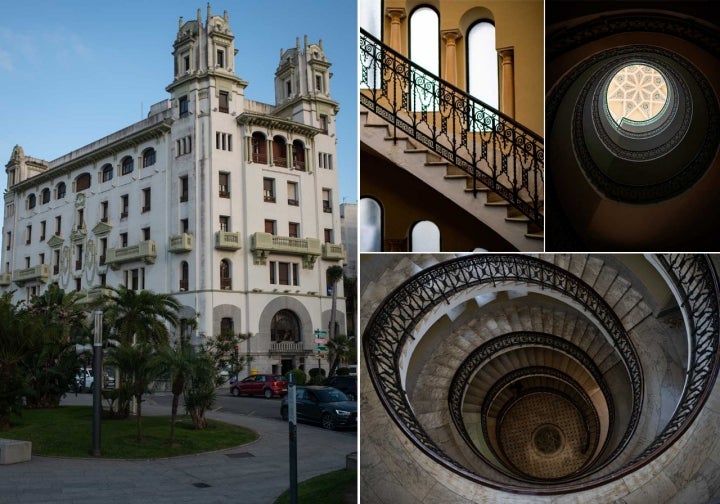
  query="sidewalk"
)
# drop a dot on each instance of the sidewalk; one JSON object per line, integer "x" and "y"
{"x": 253, "y": 473}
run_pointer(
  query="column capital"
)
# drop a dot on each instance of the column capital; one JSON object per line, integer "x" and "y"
{"x": 506, "y": 53}
{"x": 396, "y": 13}
{"x": 451, "y": 36}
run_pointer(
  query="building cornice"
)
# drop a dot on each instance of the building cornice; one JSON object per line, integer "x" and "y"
{"x": 253, "y": 119}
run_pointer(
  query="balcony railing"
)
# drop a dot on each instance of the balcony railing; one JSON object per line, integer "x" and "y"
{"x": 263, "y": 244}
{"x": 228, "y": 240}
{"x": 259, "y": 157}
{"x": 333, "y": 251}
{"x": 280, "y": 161}
{"x": 144, "y": 251}
{"x": 287, "y": 347}
{"x": 5, "y": 279}
{"x": 180, "y": 243}
{"x": 95, "y": 294}
{"x": 489, "y": 146}
{"x": 40, "y": 272}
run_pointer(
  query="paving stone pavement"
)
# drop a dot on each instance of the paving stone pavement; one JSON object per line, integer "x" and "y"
{"x": 259, "y": 475}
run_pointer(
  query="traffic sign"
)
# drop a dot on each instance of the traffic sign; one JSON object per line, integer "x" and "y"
{"x": 319, "y": 332}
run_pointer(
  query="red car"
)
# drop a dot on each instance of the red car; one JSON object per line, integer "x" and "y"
{"x": 261, "y": 384}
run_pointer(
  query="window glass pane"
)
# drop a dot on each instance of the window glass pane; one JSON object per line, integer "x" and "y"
{"x": 425, "y": 237}
{"x": 370, "y": 225}
{"x": 483, "y": 63}
{"x": 425, "y": 51}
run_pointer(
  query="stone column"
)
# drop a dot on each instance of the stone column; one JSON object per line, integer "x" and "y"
{"x": 507, "y": 79}
{"x": 396, "y": 14}
{"x": 451, "y": 37}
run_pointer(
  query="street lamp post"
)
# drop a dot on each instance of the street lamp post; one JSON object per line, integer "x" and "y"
{"x": 97, "y": 381}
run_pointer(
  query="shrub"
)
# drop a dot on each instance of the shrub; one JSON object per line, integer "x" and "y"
{"x": 300, "y": 376}
{"x": 316, "y": 371}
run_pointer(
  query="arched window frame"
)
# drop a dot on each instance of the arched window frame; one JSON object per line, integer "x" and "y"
{"x": 285, "y": 315}
{"x": 421, "y": 97}
{"x": 45, "y": 196}
{"x": 259, "y": 147}
{"x": 60, "y": 190}
{"x": 148, "y": 157}
{"x": 127, "y": 165}
{"x": 107, "y": 172}
{"x": 279, "y": 151}
{"x": 82, "y": 182}
{"x": 363, "y": 226}
{"x": 414, "y": 240}
{"x": 298, "y": 153}
{"x": 469, "y": 58}
{"x": 31, "y": 200}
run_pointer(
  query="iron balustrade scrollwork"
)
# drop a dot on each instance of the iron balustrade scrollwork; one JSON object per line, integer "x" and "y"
{"x": 486, "y": 144}
{"x": 392, "y": 324}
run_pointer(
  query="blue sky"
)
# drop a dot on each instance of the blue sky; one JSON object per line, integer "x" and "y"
{"x": 73, "y": 71}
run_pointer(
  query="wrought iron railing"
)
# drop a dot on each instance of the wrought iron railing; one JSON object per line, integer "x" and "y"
{"x": 490, "y": 147}
{"x": 392, "y": 324}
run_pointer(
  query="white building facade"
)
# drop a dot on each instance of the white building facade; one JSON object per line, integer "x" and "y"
{"x": 228, "y": 204}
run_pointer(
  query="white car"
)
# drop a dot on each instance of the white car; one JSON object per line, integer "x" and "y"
{"x": 84, "y": 380}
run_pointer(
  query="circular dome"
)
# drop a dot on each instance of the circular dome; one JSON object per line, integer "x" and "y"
{"x": 637, "y": 93}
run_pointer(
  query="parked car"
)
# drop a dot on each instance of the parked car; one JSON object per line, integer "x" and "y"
{"x": 324, "y": 405}
{"x": 84, "y": 380}
{"x": 267, "y": 385}
{"x": 346, "y": 384}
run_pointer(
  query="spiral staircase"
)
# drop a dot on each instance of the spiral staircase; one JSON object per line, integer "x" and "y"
{"x": 545, "y": 378}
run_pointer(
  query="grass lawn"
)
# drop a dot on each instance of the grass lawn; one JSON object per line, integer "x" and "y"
{"x": 67, "y": 431}
{"x": 337, "y": 487}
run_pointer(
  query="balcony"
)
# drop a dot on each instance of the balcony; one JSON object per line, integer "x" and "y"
{"x": 265, "y": 243}
{"x": 293, "y": 347}
{"x": 333, "y": 252}
{"x": 95, "y": 294}
{"x": 227, "y": 240}
{"x": 144, "y": 251}
{"x": 5, "y": 279}
{"x": 180, "y": 243}
{"x": 40, "y": 272}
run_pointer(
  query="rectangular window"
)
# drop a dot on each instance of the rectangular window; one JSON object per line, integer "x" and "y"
{"x": 146, "y": 197}
{"x": 273, "y": 266}
{"x": 80, "y": 218}
{"x": 58, "y": 225}
{"x": 224, "y": 223}
{"x": 288, "y": 88}
{"x": 324, "y": 123}
{"x": 41, "y": 258}
{"x": 270, "y": 226}
{"x": 28, "y": 235}
{"x": 123, "y": 240}
{"x": 224, "y": 185}
{"x": 223, "y": 141}
{"x": 183, "y": 145}
{"x": 56, "y": 261}
{"x": 78, "y": 255}
{"x": 146, "y": 233}
{"x": 223, "y": 102}
{"x": 104, "y": 211}
{"x": 295, "y": 274}
{"x": 284, "y": 273}
{"x": 124, "y": 205}
{"x": 326, "y": 200}
{"x": 183, "y": 104}
{"x": 43, "y": 229}
{"x": 8, "y": 240}
{"x": 78, "y": 284}
{"x": 27, "y": 262}
{"x": 184, "y": 189}
{"x": 325, "y": 160}
{"x": 220, "y": 58}
{"x": 293, "y": 229}
{"x": 103, "y": 250}
{"x": 103, "y": 279}
{"x": 328, "y": 235}
{"x": 292, "y": 190}
{"x": 269, "y": 190}
{"x": 184, "y": 225}
{"x": 319, "y": 83}
{"x": 186, "y": 62}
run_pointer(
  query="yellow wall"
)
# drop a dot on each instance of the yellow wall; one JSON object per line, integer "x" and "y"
{"x": 518, "y": 24}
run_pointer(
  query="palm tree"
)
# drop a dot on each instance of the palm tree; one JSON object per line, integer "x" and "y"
{"x": 139, "y": 367}
{"x": 178, "y": 362}
{"x": 141, "y": 316}
{"x": 334, "y": 275}
{"x": 20, "y": 335}
{"x": 341, "y": 348}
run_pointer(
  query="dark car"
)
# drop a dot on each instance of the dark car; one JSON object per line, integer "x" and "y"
{"x": 267, "y": 385}
{"x": 346, "y": 384}
{"x": 324, "y": 405}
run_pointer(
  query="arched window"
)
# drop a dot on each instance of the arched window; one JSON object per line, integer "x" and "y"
{"x": 425, "y": 237}
{"x": 225, "y": 275}
{"x": 298, "y": 151}
{"x": 148, "y": 157}
{"x": 82, "y": 182}
{"x": 45, "y": 196}
{"x": 285, "y": 326}
{"x": 31, "y": 201}
{"x": 107, "y": 172}
{"x": 184, "y": 276}
{"x": 425, "y": 51}
{"x": 259, "y": 148}
{"x": 279, "y": 151}
{"x": 60, "y": 190}
{"x": 127, "y": 165}
{"x": 370, "y": 225}
{"x": 482, "y": 63}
